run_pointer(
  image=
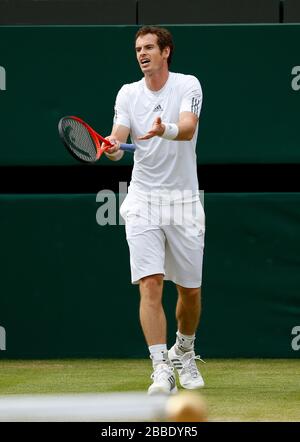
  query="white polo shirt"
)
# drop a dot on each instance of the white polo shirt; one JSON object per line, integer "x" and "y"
{"x": 167, "y": 168}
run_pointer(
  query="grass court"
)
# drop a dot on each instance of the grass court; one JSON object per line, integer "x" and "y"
{"x": 236, "y": 389}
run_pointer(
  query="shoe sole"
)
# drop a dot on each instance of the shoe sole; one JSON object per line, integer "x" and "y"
{"x": 187, "y": 387}
{"x": 161, "y": 390}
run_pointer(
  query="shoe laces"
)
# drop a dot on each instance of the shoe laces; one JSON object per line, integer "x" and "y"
{"x": 190, "y": 365}
{"x": 160, "y": 370}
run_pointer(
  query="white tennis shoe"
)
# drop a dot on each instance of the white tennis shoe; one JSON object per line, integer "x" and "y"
{"x": 164, "y": 381}
{"x": 185, "y": 364}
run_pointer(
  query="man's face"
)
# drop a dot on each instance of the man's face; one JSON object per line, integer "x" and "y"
{"x": 148, "y": 53}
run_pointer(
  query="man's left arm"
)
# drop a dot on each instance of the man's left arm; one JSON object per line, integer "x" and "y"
{"x": 187, "y": 125}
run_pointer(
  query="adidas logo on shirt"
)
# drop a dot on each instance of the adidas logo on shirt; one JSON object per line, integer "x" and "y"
{"x": 157, "y": 108}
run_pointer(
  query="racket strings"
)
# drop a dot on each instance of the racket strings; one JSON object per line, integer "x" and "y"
{"x": 79, "y": 140}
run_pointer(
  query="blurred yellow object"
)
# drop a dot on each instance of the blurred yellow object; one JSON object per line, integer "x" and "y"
{"x": 186, "y": 406}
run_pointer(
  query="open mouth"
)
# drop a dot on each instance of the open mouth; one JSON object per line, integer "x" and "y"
{"x": 145, "y": 62}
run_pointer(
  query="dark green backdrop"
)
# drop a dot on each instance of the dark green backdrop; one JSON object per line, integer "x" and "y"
{"x": 65, "y": 281}
{"x": 250, "y": 111}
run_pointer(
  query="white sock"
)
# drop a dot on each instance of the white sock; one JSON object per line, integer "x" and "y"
{"x": 185, "y": 343}
{"x": 158, "y": 354}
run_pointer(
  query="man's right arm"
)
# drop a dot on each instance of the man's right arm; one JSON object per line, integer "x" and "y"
{"x": 118, "y": 135}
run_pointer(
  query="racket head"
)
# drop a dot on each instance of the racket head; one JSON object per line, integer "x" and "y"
{"x": 79, "y": 139}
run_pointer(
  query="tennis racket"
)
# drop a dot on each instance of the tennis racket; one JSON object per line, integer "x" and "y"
{"x": 83, "y": 142}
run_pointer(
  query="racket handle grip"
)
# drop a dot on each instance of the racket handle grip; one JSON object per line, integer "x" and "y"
{"x": 128, "y": 147}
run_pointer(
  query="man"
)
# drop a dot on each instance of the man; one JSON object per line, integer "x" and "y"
{"x": 160, "y": 112}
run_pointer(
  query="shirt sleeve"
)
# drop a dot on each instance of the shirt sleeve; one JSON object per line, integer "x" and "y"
{"x": 121, "y": 115}
{"x": 192, "y": 96}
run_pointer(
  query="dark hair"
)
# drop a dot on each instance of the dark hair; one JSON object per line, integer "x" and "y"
{"x": 164, "y": 38}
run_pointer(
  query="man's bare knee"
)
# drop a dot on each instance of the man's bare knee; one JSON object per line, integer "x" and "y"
{"x": 151, "y": 289}
{"x": 189, "y": 296}
{"x": 189, "y": 293}
{"x": 152, "y": 282}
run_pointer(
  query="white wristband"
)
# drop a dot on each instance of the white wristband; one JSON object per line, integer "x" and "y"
{"x": 171, "y": 131}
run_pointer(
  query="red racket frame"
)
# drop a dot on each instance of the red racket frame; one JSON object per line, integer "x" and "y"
{"x": 96, "y": 137}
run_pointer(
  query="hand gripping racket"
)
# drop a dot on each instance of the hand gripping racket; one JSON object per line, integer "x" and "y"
{"x": 83, "y": 142}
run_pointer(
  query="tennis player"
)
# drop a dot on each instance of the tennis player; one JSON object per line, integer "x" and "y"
{"x": 163, "y": 214}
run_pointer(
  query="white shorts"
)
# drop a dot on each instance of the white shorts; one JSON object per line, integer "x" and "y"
{"x": 165, "y": 239}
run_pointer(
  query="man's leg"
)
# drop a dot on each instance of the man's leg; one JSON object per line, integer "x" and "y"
{"x": 152, "y": 316}
{"x": 146, "y": 241}
{"x": 188, "y": 309}
{"x": 182, "y": 355}
{"x": 154, "y": 326}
